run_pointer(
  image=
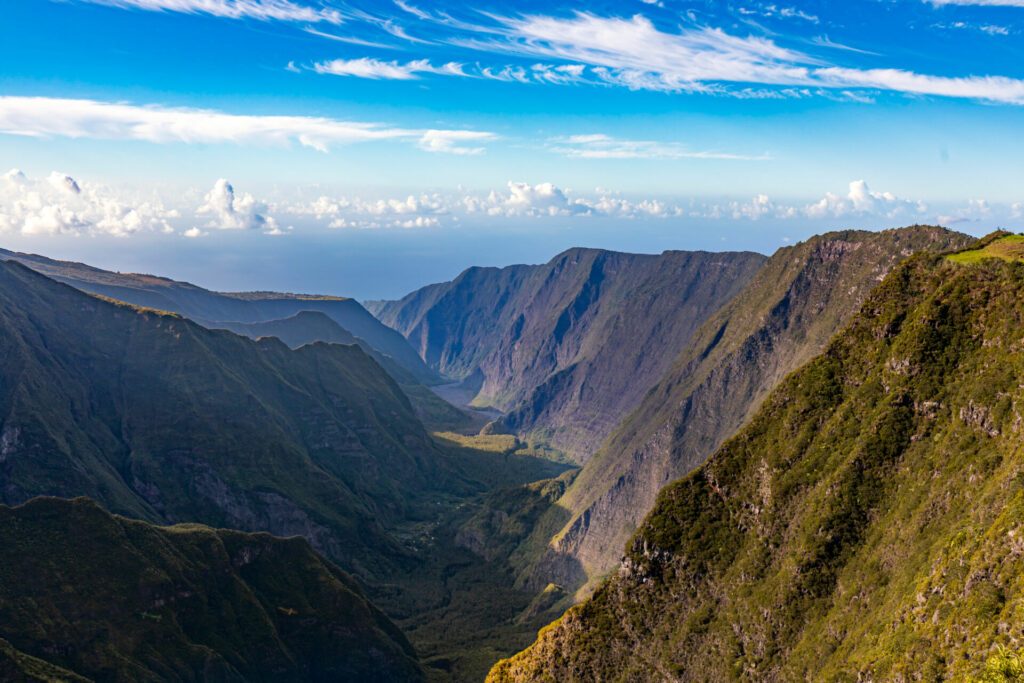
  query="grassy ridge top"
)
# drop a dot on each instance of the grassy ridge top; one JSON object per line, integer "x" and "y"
{"x": 1004, "y": 246}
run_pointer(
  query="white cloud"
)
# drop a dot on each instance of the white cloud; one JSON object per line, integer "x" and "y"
{"x": 634, "y": 53}
{"x": 978, "y": 3}
{"x": 861, "y": 200}
{"x": 516, "y": 200}
{"x": 600, "y": 146}
{"x": 262, "y": 10}
{"x": 991, "y": 88}
{"x": 975, "y": 210}
{"x": 376, "y": 69}
{"x": 60, "y": 205}
{"x": 46, "y": 117}
{"x": 453, "y": 141}
{"x": 230, "y": 211}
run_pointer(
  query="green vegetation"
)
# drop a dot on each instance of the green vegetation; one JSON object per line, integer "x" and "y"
{"x": 865, "y": 525}
{"x": 163, "y": 420}
{"x": 114, "y": 599}
{"x": 1001, "y": 246}
{"x": 505, "y": 444}
{"x": 1005, "y": 666}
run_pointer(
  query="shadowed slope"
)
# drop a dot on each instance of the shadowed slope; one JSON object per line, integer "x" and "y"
{"x": 164, "y": 420}
{"x": 116, "y": 599}
{"x": 206, "y": 307}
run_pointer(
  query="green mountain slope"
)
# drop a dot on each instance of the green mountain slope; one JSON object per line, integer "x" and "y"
{"x": 308, "y": 327}
{"x": 784, "y": 317}
{"x": 865, "y": 525}
{"x": 207, "y": 308}
{"x": 570, "y": 347}
{"x": 115, "y": 599}
{"x": 161, "y": 419}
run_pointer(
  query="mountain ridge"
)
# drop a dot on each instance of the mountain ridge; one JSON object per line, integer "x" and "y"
{"x": 210, "y": 308}
{"x": 864, "y": 524}
{"x": 558, "y": 345}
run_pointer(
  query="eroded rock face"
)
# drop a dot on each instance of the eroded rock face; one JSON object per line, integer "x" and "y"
{"x": 570, "y": 347}
{"x": 785, "y": 316}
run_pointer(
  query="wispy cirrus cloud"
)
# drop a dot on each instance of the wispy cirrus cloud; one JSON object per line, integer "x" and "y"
{"x": 73, "y": 118}
{"x": 377, "y": 69}
{"x": 261, "y": 10}
{"x": 977, "y": 3}
{"x": 632, "y": 52}
{"x": 601, "y": 146}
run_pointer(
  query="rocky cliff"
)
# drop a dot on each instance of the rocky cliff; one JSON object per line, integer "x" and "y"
{"x": 570, "y": 347}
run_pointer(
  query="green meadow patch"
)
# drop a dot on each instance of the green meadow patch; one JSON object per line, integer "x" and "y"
{"x": 1008, "y": 248}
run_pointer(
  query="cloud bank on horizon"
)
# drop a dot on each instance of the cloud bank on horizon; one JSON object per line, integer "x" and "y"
{"x": 339, "y": 116}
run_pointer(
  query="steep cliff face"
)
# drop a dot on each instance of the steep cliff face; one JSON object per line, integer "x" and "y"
{"x": 864, "y": 525}
{"x": 570, "y": 347}
{"x": 212, "y": 309}
{"x": 784, "y": 316}
{"x": 85, "y": 593}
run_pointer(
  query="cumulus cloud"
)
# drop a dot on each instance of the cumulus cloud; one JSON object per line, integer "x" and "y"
{"x": 262, "y": 10}
{"x": 516, "y": 200}
{"x": 231, "y": 211}
{"x": 54, "y": 117}
{"x": 60, "y": 205}
{"x": 861, "y": 200}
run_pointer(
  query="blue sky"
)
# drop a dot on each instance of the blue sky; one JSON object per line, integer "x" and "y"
{"x": 366, "y": 148}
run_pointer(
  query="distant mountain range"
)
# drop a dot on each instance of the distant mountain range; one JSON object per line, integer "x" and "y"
{"x": 570, "y": 347}
{"x": 216, "y": 309}
{"x": 865, "y": 524}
